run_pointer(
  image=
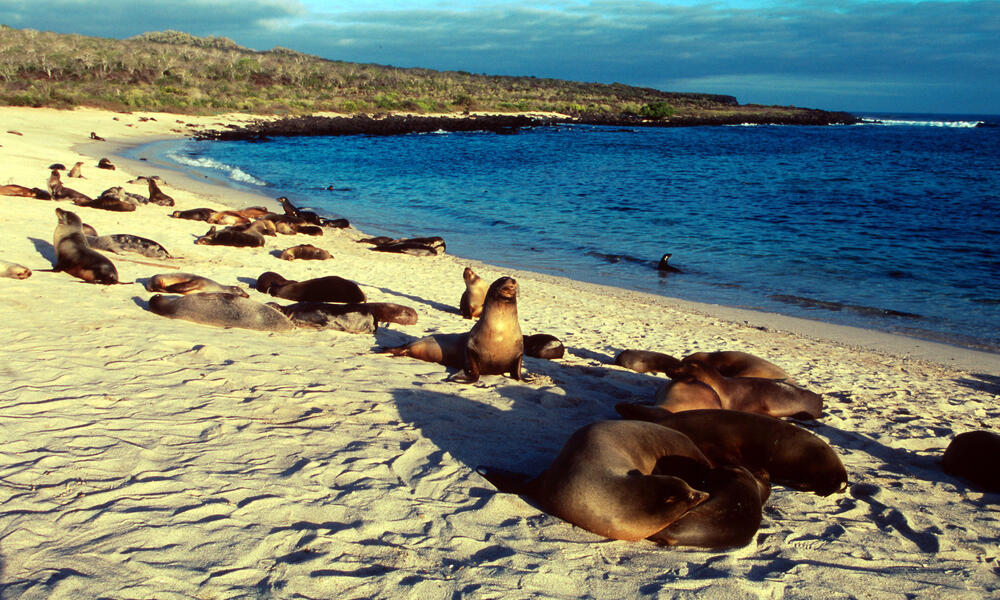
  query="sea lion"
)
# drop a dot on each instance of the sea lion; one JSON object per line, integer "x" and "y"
{"x": 305, "y": 252}
{"x": 421, "y": 246}
{"x": 14, "y": 270}
{"x": 974, "y": 455}
{"x": 194, "y": 214}
{"x": 676, "y": 396}
{"x": 75, "y": 171}
{"x": 221, "y": 310}
{"x": 357, "y": 317}
{"x": 156, "y": 195}
{"x": 309, "y": 230}
{"x": 740, "y": 364}
{"x": 119, "y": 194}
{"x": 471, "y": 303}
{"x": 57, "y": 167}
{"x": 611, "y": 478}
{"x": 189, "y": 283}
{"x": 253, "y": 212}
{"x": 752, "y": 394}
{"x": 663, "y": 267}
{"x": 493, "y": 346}
{"x": 646, "y": 361}
{"x": 60, "y": 192}
{"x": 75, "y": 257}
{"x": 24, "y": 192}
{"x": 336, "y": 223}
{"x": 105, "y": 164}
{"x": 729, "y": 518}
{"x": 779, "y": 451}
{"x": 106, "y": 202}
{"x": 250, "y": 238}
{"x": 321, "y": 289}
{"x": 96, "y": 137}
{"x": 543, "y": 345}
{"x": 126, "y": 242}
{"x": 228, "y": 217}
{"x": 293, "y": 211}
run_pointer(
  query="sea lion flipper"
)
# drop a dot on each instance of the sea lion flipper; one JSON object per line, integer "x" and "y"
{"x": 515, "y": 367}
{"x": 470, "y": 374}
{"x": 183, "y": 287}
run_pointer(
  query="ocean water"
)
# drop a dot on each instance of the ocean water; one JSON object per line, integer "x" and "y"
{"x": 893, "y": 226}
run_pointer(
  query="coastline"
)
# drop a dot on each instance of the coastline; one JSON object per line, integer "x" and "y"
{"x": 151, "y": 457}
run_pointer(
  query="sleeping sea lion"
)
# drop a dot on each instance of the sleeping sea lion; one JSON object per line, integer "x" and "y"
{"x": 676, "y": 396}
{"x": 612, "y": 478}
{"x": 105, "y": 164}
{"x": 24, "y": 192}
{"x": 14, "y": 270}
{"x": 221, "y": 310}
{"x": 305, "y": 252}
{"x": 471, "y": 303}
{"x": 740, "y": 364}
{"x": 356, "y": 317}
{"x": 118, "y": 193}
{"x": 228, "y": 217}
{"x": 321, "y": 289}
{"x": 126, "y": 242}
{"x": 646, "y": 361}
{"x": 768, "y": 447}
{"x": 309, "y": 230}
{"x": 974, "y": 455}
{"x": 251, "y": 237}
{"x": 75, "y": 257}
{"x": 194, "y": 214}
{"x": 543, "y": 345}
{"x": 106, "y": 202}
{"x": 189, "y": 283}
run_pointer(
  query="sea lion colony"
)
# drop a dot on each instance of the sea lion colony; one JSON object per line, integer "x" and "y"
{"x": 673, "y": 472}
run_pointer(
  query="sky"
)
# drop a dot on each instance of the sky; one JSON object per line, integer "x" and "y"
{"x": 901, "y": 56}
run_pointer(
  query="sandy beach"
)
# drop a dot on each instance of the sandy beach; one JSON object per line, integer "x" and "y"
{"x": 147, "y": 457}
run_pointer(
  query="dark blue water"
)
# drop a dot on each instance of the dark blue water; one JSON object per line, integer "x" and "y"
{"x": 894, "y": 226}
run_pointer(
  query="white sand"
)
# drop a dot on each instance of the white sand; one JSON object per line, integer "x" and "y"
{"x": 145, "y": 457}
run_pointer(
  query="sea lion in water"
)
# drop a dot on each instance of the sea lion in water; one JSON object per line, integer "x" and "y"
{"x": 75, "y": 257}
{"x": 305, "y": 252}
{"x": 14, "y": 270}
{"x": 974, "y": 455}
{"x": 646, "y": 361}
{"x": 126, "y": 242}
{"x": 771, "y": 448}
{"x": 471, "y": 303}
{"x": 493, "y": 346}
{"x": 729, "y": 518}
{"x": 664, "y": 267}
{"x": 321, "y": 289}
{"x": 358, "y": 317}
{"x": 610, "y": 479}
{"x": 221, "y": 310}
{"x": 543, "y": 345}
{"x": 732, "y": 363}
{"x": 752, "y": 394}
{"x": 189, "y": 283}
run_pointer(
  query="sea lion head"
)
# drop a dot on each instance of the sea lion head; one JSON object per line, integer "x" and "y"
{"x": 268, "y": 280}
{"x": 503, "y": 290}
{"x": 469, "y": 275}
{"x": 69, "y": 218}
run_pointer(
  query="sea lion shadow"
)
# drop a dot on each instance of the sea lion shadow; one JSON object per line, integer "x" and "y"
{"x": 141, "y": 302}
{"x": 276, "y": 253}
{"x": 250, "y": 281}
{"x": 591, "y": 355}
{"x": 981, "y": 382}
{"x": 390, "y": 338}
{"x": 435, "y": 305}
{"x": 46, "y": 249}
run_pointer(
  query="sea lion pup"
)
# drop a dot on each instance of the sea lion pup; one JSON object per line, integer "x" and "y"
{"x": 740, "y": 364}
{"x": 321, "y": 289}
{"x": 305, "y": 252}
{"x": 14, "y": 270}
{"x": 75, "y": 257}
{"x": 24, "y": 192}
{"x": 60, "y": 192}
{"x": 96, "y": 137}
{"x": 729, "y": 518}
{"x": 646, "y": 361}
{"x": 221, "y": 310}
{"x": 752, "y": 394}
{"x": 126, "y": 242}
{"x": 493, "y": 346}
{"x": 612, "y": 478}
{"x": 156, "y": 195}
{"x": 663, "y": 267}
{"x": 471, "y": 303}
{"x": 194, "y": 214}
{"x": 189, "y": 283}
{"x": 75, "y": 171}
{"x": 543, "y": 345}
{"x": 770, "y": 448}
{"x": 974, "y": 455}
{"x": 358, "y": 317}
{"x": 105, "y": 164}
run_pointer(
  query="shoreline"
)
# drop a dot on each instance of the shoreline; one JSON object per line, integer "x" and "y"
{"x": 871, "y": 339}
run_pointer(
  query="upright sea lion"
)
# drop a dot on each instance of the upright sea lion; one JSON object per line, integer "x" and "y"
{"x": 730, "y": 517}
{"x": 752, "y": 394}
{"x": 189, "y": 283}
{"x": 646, "y": 361}
{"x": 75, "y": 171}
{"x": 305, "y": 252}
{"x": 105, "y": 164}
{"x": 471, "y": 303}
{"x": 14, "y": 270}
{"x": 126, "y": 242}
{"x": 293, "y": 211}
{"x": 156, "y": 195}
{"x": 779, "y": 451}
{"x": 321, "y": 289}
{"x": 609, "y": 478}
{"x": 194, "y": 214}
{"x": 221, "y": 310}
{"x": 543, "y": 345}
{"x": 75, "y": 257}
{"x": 974, "y": 455}
{"x": 740, "y": 364}
{"x": 60, "y": 192}
{"x": 357, "y": 317}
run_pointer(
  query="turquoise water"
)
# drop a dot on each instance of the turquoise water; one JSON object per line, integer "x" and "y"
{"x": 892, "y": 226}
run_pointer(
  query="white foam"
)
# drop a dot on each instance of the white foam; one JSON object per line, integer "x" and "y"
{"x": 234, "y": 173}
{"x": 924, "y": 123}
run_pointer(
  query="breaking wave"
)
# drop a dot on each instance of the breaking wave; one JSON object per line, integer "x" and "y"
{"x": 234, "y": 173}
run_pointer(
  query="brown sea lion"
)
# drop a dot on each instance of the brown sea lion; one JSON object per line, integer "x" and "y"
{"x": 75, "y": 171}
{"x": 126, "y": 242}
{"x": 471, "y": 303}
{"x": 228, "y": 217}
{"x": 105, "y": 164}
{"x": 676, "y": 396}
{"x": 422, "y": 246}
{"x": 24, "y": 192}
{"x": 343, "y": 317}
{"x": 646, "y": 361}
{"x": 730, "y": 517}
{"x": 665, "y": 267}
{"x": 156, "y": 195}
{"x": 543, "y": 345}
{"x": 118, "y": 193}
{"x": 305, "y": 252}
{"x": 253, "y": 212}
{"x": 293, "y": 211}
{"x": 221, "y": 310}
{"x": 194, "y": 214}
{"x": 974, "y": 455}
{"x": 96, "y": 137}
{"x": 231, "y": 237}
{"x": 61, "y": 192}
{"x": 309, "y": 230}
{"x": 75, "y": 257}
{"x": 611, "y": 479}
{"x": 752, "y": 394}
{"x": 105, "y": 202}
{"x": 740, "y": 364}
{"x": 14, "y": 270}
{"x": 189, "y": 283}
{"x": 320, "y": 289}
{"x": 493, "y": 346}
{"x": 779, "y": 451}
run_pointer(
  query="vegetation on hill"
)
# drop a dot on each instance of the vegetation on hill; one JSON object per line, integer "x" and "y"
{"x": 176, "y": 72}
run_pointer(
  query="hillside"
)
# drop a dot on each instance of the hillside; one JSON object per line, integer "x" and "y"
{"x": 176, "y": 72}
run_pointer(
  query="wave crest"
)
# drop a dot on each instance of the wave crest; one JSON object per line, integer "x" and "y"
{"x": 234, "y": 173}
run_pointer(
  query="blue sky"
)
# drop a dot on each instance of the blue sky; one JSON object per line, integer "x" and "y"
{"x": 857, "y": 56}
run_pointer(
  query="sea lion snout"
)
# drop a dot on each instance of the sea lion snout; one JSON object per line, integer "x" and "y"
{"x": 506, "y": 288}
